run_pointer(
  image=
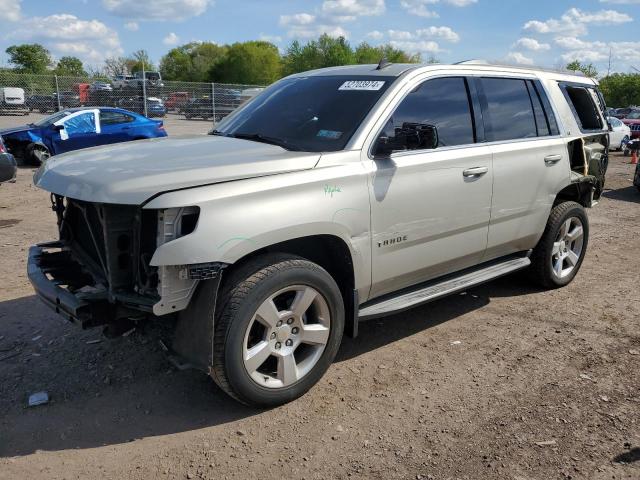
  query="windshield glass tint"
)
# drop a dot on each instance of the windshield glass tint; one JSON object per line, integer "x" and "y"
{"x": 315, "y": 114}
{"x": 51, "y": 119}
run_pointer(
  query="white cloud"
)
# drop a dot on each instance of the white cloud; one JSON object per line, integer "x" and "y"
{"x": 297, "y": 19}
{"x": 597, "y": 51}
{"x": 574, "y": 22}
{"x": 132, "y": 26}
{"x": 171, "y": 39}
{"x": 421, "y": 8}
{"x": 375, "y": 35}
{"x": 532, "y": 44}
{"x": 443, "y": 33}
{"x": 622, "y": 2}
{"x": 90, "y": 40}
{"x": 416, "y": 46}
{"x": 10, "y": 10}
{"x": 353, "y": 8}
{"x": 518, "y": 58}
{"x": 158, "y": 9}
{"x": 270, "y": 38}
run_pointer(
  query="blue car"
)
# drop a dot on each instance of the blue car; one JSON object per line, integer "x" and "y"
{"x": 77, "y": 128}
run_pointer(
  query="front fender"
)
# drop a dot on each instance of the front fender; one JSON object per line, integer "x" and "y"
{"x": 241, "y": 217}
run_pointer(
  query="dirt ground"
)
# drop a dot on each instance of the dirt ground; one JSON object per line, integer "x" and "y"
{"x": 503, "y": 382}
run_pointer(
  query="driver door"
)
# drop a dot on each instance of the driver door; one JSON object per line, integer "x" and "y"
{"x": 430, "y": 208}
{"x": 78, "y": 130}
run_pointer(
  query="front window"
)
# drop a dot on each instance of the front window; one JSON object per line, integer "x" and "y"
{"x": 51, "y": 119}
{"x": 81, "y": 124}
{"x": 314, "y": 114}
{"x": 634, "y": 115}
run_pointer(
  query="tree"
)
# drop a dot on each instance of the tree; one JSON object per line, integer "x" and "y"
{"x": 366, "y": 53}
{"x": 139, "y": 61}
{"x": 621, "y": 89}
{"x": 191, "y": 62}
{"x": 70, "y": 67}
{"x": 116, "y": 66}
{"x": 253, "y": 62}
{"x": 29, "y": 58}
{"x": 588, "y": 69}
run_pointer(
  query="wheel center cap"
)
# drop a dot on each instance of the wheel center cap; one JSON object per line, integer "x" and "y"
{"x": 283, "y": 333}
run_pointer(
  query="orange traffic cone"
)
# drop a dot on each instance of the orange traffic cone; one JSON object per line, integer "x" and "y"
{"x": 634, "y": 157}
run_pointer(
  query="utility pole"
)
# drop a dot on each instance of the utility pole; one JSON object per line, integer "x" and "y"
{"x": 144, "y": 89}
{"x": 609, "y": 65}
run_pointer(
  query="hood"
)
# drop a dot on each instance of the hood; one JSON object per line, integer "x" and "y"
{"x": 630, "y": 121}
{"x": 10, "y": 131}
{"x": 132, "y": 172}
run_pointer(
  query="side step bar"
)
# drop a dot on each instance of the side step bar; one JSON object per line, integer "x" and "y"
{"x": 430, "y": 291}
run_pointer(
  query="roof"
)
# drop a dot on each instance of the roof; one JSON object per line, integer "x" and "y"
{"x": 398, "y": 69}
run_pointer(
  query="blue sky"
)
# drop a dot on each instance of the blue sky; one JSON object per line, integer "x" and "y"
{"x": 542, "y": 32}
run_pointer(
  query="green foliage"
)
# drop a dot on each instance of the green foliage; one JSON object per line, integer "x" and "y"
{"x": 588, "y": 69}
{"x": 366, "y": 54}
{"x": 139, "y": 60}
{"x": 29, "y": 58}
{"x": 621, "y": 89}
{"x": 70, "y": 67}
{"x": 191, "y": 62}
{"x": 253, "y": 62}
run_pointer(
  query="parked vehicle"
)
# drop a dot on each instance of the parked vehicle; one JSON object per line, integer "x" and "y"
{"x": 155, "y": 107}
{"x": 632, "y": 120}
{"x": 121, "y": 81}
{"x": 12, "y": 100}
{"x": 8, "y": 167}
{"x": 619, "y": 135}
{"x": 623, "y": 112}
{"x": 41, "y": 103}
{"x": 78, "y": 128}
{"x": 635, "y": 146}
{"x": 176, "y": 101}
{"x": 334, "y": 196}
{"x": 154, "y": 79}
{"x": 68, "y": 99}
{"x": 198, "y": 108}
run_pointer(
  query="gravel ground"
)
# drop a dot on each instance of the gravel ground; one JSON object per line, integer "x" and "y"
{"x": 502, "y": 382}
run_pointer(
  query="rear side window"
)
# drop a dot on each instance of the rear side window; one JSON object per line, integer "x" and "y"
{"x": 113, "y": 118}
{"x": 509, "y": 109}
{"x": 442, "y": 102}
{"x": 583, "y": 106}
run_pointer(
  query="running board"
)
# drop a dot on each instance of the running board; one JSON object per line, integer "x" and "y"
{"x": 441, "y": 288}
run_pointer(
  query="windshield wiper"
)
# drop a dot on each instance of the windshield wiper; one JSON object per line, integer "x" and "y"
{"x": 258, "y": 137}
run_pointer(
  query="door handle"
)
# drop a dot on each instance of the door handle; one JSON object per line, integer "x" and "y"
{"x": 552, "y": 159}
{"x": 475, "y": 171}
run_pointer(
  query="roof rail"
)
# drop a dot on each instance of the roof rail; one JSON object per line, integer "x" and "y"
{"x": 522, "y": 67}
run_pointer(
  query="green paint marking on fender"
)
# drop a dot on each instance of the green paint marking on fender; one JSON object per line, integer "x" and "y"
{"x": 330, "y": 190}
{"x": 240, "y": 239}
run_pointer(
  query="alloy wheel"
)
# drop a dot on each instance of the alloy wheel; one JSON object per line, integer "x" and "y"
{"x": 567, "y": 248}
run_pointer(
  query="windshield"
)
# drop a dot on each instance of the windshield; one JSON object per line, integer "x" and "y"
{"x": 314, "y": 114}
{"x": 634, "y": 115}
{"x": 51, "y": 119}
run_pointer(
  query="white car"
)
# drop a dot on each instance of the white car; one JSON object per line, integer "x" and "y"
{"x": 619, "y": 135}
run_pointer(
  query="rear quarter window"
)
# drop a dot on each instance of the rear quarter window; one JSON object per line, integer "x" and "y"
{"x": 583, "y": 106}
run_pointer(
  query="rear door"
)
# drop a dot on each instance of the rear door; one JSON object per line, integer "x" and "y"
{"x": 116, "y": 127}
{"x": 530, "y": 161}
{"x": 430, "y": 207}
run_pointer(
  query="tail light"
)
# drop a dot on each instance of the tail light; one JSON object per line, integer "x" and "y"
{"x": 2, "y": 149}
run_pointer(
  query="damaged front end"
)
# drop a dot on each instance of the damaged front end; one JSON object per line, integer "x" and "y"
{"x": 99, "y": 272}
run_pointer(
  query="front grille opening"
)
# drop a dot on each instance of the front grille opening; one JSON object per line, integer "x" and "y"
{"x": 123, "y": 243}
{"x": 124, "y": 261}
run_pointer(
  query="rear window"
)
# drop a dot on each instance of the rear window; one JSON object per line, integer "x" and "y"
{"x": 509, "y": 108}
{"x": 583, "y": 106}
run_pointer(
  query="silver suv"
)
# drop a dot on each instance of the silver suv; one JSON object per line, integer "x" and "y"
{"x": 333, "y": 197}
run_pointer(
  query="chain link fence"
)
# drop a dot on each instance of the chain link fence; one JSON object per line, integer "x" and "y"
{"x": 146, "y": 94}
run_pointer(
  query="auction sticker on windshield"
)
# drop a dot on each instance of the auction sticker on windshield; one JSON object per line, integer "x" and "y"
{"x": 369, "y": 85}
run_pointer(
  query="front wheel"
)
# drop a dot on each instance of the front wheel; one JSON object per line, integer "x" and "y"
{"x": 278, "y": 328}
{"x": 559, "y": 254}
{"x": 37, "y": 154}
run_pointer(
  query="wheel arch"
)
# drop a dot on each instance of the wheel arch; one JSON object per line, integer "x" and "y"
{"x": 578, "y": 190}
{"x": 330, "y": 252}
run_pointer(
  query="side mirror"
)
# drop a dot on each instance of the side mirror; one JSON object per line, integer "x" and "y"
{"x": 58, "y": 128}
{"x": 411, "y": 136}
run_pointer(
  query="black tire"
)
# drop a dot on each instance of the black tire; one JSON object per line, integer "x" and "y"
{"x": 246, "y": 289}
{"x": 541, "y": 258}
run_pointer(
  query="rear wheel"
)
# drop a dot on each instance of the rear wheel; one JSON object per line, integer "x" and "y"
{"x": 559, "y": 254}
{"x": 623, "y": 143}
{"x": 278, "y": 329}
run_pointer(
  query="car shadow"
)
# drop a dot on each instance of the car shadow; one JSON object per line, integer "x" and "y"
{"x": 631, "y": 456}
{"x": 626, "y": 194}
{"x": 116, "y": 391}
